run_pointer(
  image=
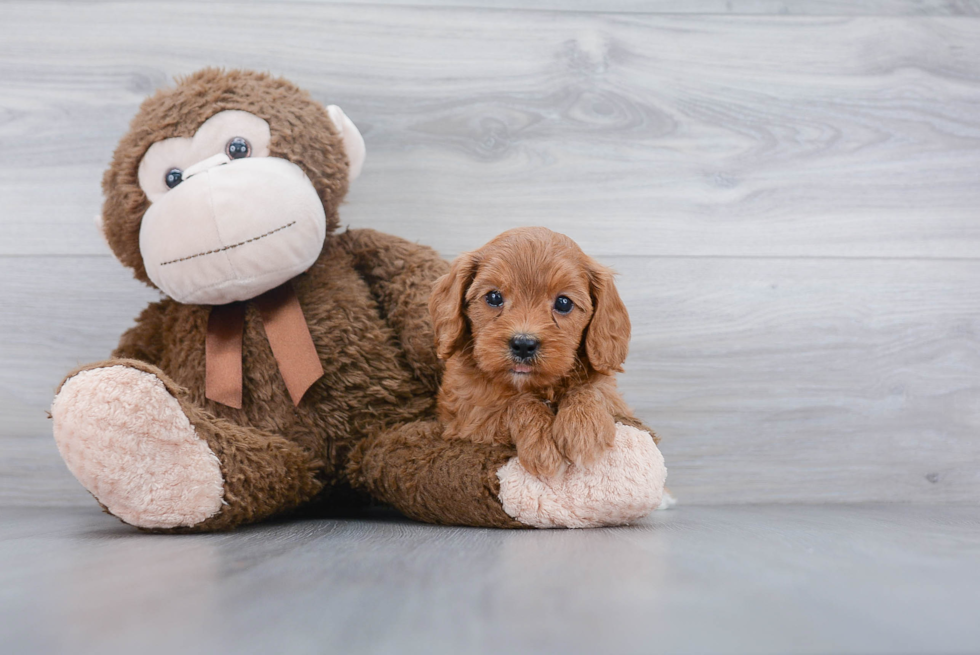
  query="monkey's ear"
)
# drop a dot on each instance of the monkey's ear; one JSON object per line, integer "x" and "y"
{"x": 100, "y": 226}
{"x": 447, "y": 305}
{"x": 353, "y": 141}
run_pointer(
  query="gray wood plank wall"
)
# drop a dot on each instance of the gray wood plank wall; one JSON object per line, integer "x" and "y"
{"x": 790, "y": 191}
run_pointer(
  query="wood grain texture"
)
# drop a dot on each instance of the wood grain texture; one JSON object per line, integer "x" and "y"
{"x": 698, "y": 7}
{"x": 768, "y": 379}
{"x": 809, "y": 380}
{"x": 694, "y": 7}
{"x": 754, "y": 579}
{"x": 792, "y": 201}
{"x": 638, "y": 134}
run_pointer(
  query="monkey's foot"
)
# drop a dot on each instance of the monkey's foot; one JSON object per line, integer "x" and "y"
{"x": 126, "y": 439}
{"x": 626, "y": 484}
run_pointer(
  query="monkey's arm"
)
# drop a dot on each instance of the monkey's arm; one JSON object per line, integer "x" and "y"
{"x": 457, "y": 482}
{"x": 143, "y": 341}
{"x": 400, "y": 275}
{"x": 433, "y": 479}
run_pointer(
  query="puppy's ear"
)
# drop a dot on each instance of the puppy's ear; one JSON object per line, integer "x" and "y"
{"x": 446, "y": 305}
{"x": 607, "y": 338}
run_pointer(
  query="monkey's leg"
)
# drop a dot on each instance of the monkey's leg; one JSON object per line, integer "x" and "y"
{"x": 432, "y": 479}
{"x": 158, "y": 462}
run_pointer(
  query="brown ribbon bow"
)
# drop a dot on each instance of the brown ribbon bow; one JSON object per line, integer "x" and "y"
{"x": 287, "y": 332}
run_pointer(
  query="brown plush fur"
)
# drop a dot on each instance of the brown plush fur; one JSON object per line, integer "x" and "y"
{"x": 302, "y": 133}
{"x": 561, "y": 405}
{"x": 433, "y": 479}
{"x": 365, "y": 302}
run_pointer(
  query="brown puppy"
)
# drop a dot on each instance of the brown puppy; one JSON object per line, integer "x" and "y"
{"x": 533, "y": 330}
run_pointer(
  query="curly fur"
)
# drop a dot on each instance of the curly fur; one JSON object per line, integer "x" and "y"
{"x": 560, "y": 407}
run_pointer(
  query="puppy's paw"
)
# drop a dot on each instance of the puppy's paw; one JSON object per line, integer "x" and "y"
{"x": 540, "y": 456}
{"x": 583, "y": 433}
{"x": 626, "y": 484}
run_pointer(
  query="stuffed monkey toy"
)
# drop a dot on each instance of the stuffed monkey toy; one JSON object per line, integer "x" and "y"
{"x": 290, "y": 364}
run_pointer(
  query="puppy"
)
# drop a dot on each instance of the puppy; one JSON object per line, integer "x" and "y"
{"x": 533, "y": 331}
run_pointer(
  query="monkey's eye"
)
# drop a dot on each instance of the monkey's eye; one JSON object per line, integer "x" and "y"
{"x": 238, "y": 148}
{"x": 174, "y": 177}
{"x": 495, "y": 299}
{"x": 563, "y": 305}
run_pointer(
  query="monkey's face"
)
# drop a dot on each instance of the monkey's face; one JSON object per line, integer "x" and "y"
{"x": 232, "y": 208}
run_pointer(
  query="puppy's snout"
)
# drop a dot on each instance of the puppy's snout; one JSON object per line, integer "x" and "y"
{"x": 523, "y": 346}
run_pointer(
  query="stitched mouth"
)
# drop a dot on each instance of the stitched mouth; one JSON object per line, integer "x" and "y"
{"x": 234, "y": 245}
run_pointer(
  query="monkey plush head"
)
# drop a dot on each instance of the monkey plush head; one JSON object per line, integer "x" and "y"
{"x": 227, "y": 185}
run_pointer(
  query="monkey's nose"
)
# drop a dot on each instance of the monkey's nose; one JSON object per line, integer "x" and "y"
{"x": 205, "y": 164}
{"x": 523, "y": 346}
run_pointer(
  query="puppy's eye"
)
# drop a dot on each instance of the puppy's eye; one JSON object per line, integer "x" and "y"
{"x": 494, "y": 299}
{"x": 563, "y": 305}
{"x": 238, "y": 148}
{"x": 173, "y": 177}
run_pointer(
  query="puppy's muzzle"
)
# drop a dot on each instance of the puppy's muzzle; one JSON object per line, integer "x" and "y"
{"x": 523, "y": 347}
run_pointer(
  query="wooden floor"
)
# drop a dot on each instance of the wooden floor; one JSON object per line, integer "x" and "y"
{"x": 743, "y": 579}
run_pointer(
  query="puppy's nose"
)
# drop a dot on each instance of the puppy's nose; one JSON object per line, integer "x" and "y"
{"x": 523, "y": 346}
